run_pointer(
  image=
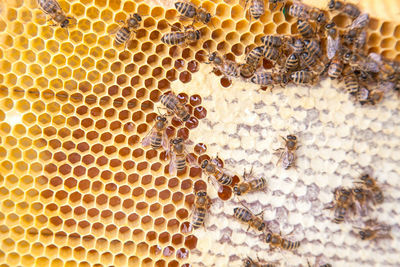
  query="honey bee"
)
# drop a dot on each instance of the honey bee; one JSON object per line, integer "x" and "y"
{"x": 360, "y": 22}
{"x": 371, "y": 185}
{"x": 171, "y": 102}
{"x": 124, "y": 33}
{"x": 351, "y": 82}
{"x": 265, "y": 78}
{"x": 347, "y": 8}
{"x": 342, "y": 203}
{"x": 292, "y": 62}
{"x": 191, "y": 11}
{"x": 297, "y": 46}
{"x": 335, "y": 68}
{"x": 246, "y": 216}
{"x": 202, "y": 203}
{"x": 308, "y": 59}
{"x": 374, "y": 231}
{"x": 302, "y": 77}
{"x": 250, "y": 263}
{"x": 333, "y": 40}
{"x": 178, "y": 156}
{"x": 228, "y": 67}
{"x": 189, "y": 35}
{"x": 270, "y": 53}
{"x": 249, "y": 186}
{"x": 362, "y": 95}
{"x": 299, "y": 10}
{"x": 305, "y": 29}
{"x": 277, "y": 241}
{"x": 157, "y": 136}
{"x": 361, "y": 197}
{"x": 256, "y": 9}
{"x": 273, "y": 40}
{"x": 387, "y": 71}
{"x": 218, "y": 175}
{"x": 54, "y": 10}
{"x": 287, "y": 155}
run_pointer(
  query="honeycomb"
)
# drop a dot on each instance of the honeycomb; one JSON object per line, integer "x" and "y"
{"x": 78, "y": 189}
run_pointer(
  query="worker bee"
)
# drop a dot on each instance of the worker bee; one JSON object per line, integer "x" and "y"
{"x": 335, "y": 68}
{"x": 249, "y": 262}
{"x": 308, "y": 59}
{"x": 305, "y": 29}
{"x": 361, "y": 198}
{"x": 171, "y": 102}
{"x": 362, "y": 95}
{"x": 347, "y": 8}
{"x": 191, "y": 11}
{"x": 157, "y": 136}
{"x": 273, "y": 40}
{"x": 333, "y": 40}
{"x": 201, "y": 205}
{"x": 228, "y": 67}
{"x": 249, "y": 186}
{"x": 371, "y": 185}
{"x": 292, "y": 62}
{"x": 54, "y": 10}
{"x": 351, "y": 82}
{"x": 267, "y": 78}
{"x": 342, "y": 204}
{"x": 189, "y": 35}
{"x": 373, "y": 231}
{"x": 124, "y": 33}
{"x": 277, "y": 241}
{"x": 287, "y": 155}
{"x": 178, "y": 156}
{"x": 302, "y": 77}
{"x": 256, "y": 9}
{"x": 246, "y": 216}
{"x": 218, "y": 175}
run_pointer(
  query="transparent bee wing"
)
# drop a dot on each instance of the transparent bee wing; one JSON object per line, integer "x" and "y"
{"x": 360, "y": 22}
{"x": 332, "y": 46}
{"x": 191, "y": 159}
{"x": 172, "y": 164}
{"x": 164, "y": 140}
{"x": 375, "y": 57}
{"x": 287, "y": 160}
{"x": 146, "y": 139}
{"x": 215, "y": 183}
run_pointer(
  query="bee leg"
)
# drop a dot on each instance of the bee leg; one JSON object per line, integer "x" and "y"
{"x": 248, "y": 228}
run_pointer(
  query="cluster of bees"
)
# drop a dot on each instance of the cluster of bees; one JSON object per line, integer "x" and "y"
{"x": 319, "y": 49}
{"x": 356, "y": 200}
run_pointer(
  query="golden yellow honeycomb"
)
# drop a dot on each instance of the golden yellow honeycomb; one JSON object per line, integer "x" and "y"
{"x": 78, "y": 189}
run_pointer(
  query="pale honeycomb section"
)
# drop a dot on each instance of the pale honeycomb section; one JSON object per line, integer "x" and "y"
{"x": 76, "y": 186}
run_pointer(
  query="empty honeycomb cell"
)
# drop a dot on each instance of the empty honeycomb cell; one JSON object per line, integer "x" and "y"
{"x": 237, "y": 12}
{"x": 374, "y": 39}
{"x": 269, "y": 28}
{"x": 228, "y": 25}
{"x": 387, "y": 43}
{"x": 397, "y": 47}
{"x": 390, "y": 54}
{"x": 386, "y": 28}
{"x": 283, "y": 28}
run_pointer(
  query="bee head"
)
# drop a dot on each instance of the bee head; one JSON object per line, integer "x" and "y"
{"x": 204, "y": 164}
{"x": 161, "y": 118}
{"x": 177, "y": 141}
{"x": 362, "y": 234}
{"x": 364, "y": 177}
{"x": 262, "y": 226}
{"x": 268, "y": 238}
{"x": 208, "y": 18}
{"x": 65, "y": 23}
{"x": 201, "y": 193}
{"x": 137, "y": 17}
{"x": 291, "y": 137}
{"x": 299, "y": 21}
{"x": 236, "y": 190}
{"x": 248, "y": 262}
{"x": 321, "y": 18}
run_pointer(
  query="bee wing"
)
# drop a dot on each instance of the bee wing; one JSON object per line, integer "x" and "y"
{"x": 375, "y": 57}
{"x": 332, "y": 46}
{"x": 360, "y": 22}
{"x": 164, "y": 140}
{"x": 215, "y": 183}
{"x": 146, "y": 139}
{"x": 172, "y": 164}
{"x": 191, "y": 159}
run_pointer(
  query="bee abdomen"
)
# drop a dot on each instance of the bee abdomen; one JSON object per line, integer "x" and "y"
{"x": 335, "y": 69}
{"x": 260, "y": 183}
{"x": 271, "y": 53}
{"x": 271, "y": 40}
{"x": 305, "y": 29}
{"x": 122, "y": 35}
{"x": 340, "y": 212}
{"x": 378, "y": 197}
{"x": 231, "y": 69}
{"x": 48, "y": 6}
{"x": 301, "y": 77}
{"x": 257, "y": 8}
{"x": 292, "y": 62}
{"x": 289, "y": 245}
{"x": 351, "y": 84}
{"x": 155, "y": 141}
{"x": 180, "y": 162}
{"x": 253, "y": 58}
{"x": 225, "y": 179}
{"x": 198, "y": 217}
{"x": 242, "y": 214}
{"x": 186, "y": 9}
{"x": 263, "y": 78}
{"x": 173, "y": 38}
{"x": 169, "y": 101}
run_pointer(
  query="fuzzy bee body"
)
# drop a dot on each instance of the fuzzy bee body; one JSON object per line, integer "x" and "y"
{"x": 245, "y": 216}
{"x": 255, "y": 55}
{"x": 249, "y": 186}
{"x": 335, "y": 68}
{"x": 157, "y": 136}
{"x": 272, "y": 41}
{"x": 216, "y": 173}
{"x": 53, "y": 9}
{"x": 351, "y": 83}
{"x": 302, "y": 77}
{"x": 186, "y": 9}
{"x": 171, "y": 102}
{"x": 122, "y": 35}
{"x": 292, "y": 62}
{"x": 275, "y": 240}
{"x": 305, "y": 28}
{"x": 257, "y": 8}
{"x": 200, "y": 207}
